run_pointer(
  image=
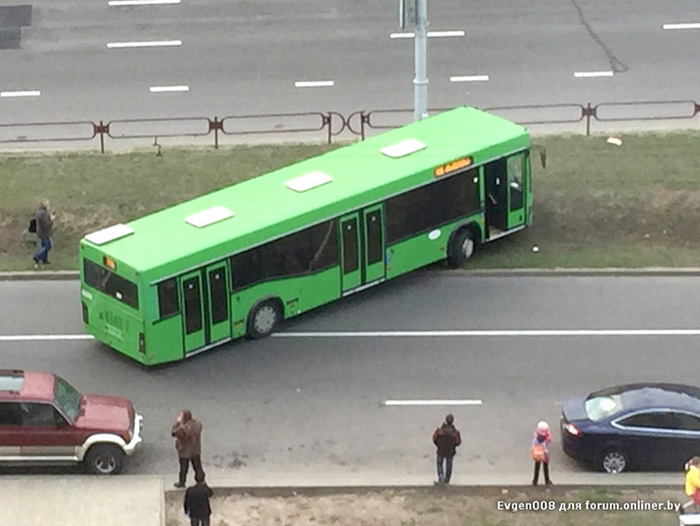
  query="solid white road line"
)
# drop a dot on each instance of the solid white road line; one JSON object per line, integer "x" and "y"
{"x": 117, "y": 3}
{"x": 431, "y": 34}
{"x": 29, "y": 93}
{"x": 416, "y": 334}
{"x": 693, "y": 25}
{"x": 314, "y": 83}
{"x": 44, "y": 337}
{"x": 497, "y": 333}
{"x": 153, "y": 43}
{"x": 590, "y": 74}
{"x": 469, "y": 78}
{"x": 433, "y": 402}
{"x": 165, "y": 89}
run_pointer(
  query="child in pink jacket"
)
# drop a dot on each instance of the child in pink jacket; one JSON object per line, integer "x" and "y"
{"x": 542, "y": 439}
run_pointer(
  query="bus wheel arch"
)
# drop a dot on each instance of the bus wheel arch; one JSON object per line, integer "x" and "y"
{"x": 264, "y": 318}
{"x": 462, "y": 244}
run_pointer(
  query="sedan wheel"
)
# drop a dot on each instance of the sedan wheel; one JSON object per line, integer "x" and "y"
{"x": 614, "y": 461}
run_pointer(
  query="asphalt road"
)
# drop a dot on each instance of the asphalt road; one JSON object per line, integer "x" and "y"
{"x": 312, "y": 408}
{"x": 241, "y": 57}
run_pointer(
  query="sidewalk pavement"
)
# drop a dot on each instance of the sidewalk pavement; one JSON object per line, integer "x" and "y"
{"x": 82, "y": 501}
{"x": 88, "y": 500}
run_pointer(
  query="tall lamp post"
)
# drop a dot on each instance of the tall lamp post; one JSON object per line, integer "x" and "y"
{"x": 416, "y": 12}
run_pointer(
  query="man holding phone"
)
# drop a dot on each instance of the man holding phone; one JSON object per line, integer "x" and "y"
{"x": 188, "y": 443}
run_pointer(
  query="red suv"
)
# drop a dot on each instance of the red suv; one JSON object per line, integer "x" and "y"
{"x": 45, "y": 420}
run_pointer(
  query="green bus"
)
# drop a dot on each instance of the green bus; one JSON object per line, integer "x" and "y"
{"x": 240, "y": 260}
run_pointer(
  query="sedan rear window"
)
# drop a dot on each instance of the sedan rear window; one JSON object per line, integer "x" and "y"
{"x": 600, "y": 407}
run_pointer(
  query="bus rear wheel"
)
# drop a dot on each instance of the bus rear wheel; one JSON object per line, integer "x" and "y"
{"x": 461, "y": 248}
{"x": 264, "y": 319}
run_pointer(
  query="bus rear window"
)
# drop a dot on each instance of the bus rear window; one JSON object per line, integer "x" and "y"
{"x": 108, "y": 282}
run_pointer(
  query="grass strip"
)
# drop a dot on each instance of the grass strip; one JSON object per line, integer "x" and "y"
{"x": 596, "y": 204}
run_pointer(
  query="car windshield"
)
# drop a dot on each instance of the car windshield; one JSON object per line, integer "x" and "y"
{"x": 600, "y": 407}
{"x": 67, "y": 398}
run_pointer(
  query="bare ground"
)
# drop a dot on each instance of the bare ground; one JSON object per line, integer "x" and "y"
{"x": 459, "y": 506}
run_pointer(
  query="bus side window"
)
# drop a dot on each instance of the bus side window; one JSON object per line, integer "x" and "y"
{"x": 246, "y": 268}
{"x": 432, "y": 205}
{"x": 167, "y": 298}
{"x": 310, "y": 250}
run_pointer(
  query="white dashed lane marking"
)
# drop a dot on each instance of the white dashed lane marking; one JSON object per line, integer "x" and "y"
{"x": 166, "y": 89}
{"x": 152, "y": 43}
{"x": 314, "y": 84}
{"x": 432, "y": 402}
{"x": 591, "y": 74}
{"x": 27, "y": 93}
{"x": 469, "y": 78}
{"x": 431, "y": 34}
{"x": 119, "y": 3}
{"x": 693, "y": 25}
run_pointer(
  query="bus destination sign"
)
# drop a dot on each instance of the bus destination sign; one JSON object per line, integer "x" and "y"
{"x": 453, "y": 166}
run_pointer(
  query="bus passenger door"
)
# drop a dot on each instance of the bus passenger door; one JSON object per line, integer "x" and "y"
{"x": 373, "y": 244}
{"x": 350, "y": 252}
{"x": 495, "y": 179}
{"x": 218, "y": 303}
{"x": 516, "y": 190}
{"x": 191, "y": 288}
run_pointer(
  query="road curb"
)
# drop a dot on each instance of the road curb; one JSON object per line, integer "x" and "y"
{"x": 64, "y": 275}
{"x": 40, "y": 275}
{"x": 485, "y": 490}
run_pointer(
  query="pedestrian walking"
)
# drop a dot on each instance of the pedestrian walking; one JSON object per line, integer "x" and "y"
{"x": 446, "y": 438}
{"x": 44, "y": 230}
{"x": 188, "y": 434}
{"x": 197, "y": 506}
{"x": 540, "y": 452}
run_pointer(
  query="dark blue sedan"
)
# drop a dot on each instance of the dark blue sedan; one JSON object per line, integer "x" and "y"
{"x": 635, "y": 426}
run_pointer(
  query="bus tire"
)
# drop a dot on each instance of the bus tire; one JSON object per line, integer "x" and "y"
{"x": 461, "y": 247}
{"x": 264, "y": 319}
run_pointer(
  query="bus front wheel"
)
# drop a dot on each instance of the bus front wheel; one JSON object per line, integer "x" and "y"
{"x": 461, "y": 248}
{"x": 264, "y": 319}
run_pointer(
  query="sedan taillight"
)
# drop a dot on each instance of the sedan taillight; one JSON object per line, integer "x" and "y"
{"x": 572, "y": 429}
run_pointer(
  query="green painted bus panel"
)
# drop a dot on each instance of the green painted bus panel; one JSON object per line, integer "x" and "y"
{"x": 297, "y": 294}
{"x": 421, "y": 250}
{"x": 164, "y": 341}
{"x": 361, "y": 174}
{"x": 115, "y": 324}
{"x": 110, "y": 320}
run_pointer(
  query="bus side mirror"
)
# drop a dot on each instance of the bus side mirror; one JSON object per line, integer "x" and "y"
{"x": 543, "y": 154}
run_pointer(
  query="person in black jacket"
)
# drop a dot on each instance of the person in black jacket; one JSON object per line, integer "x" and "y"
{"x": 446, "y": 438}
{"x": 197, "y": 502}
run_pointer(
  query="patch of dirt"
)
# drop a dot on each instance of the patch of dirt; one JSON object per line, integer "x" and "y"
{"x": 463, "y": 506}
